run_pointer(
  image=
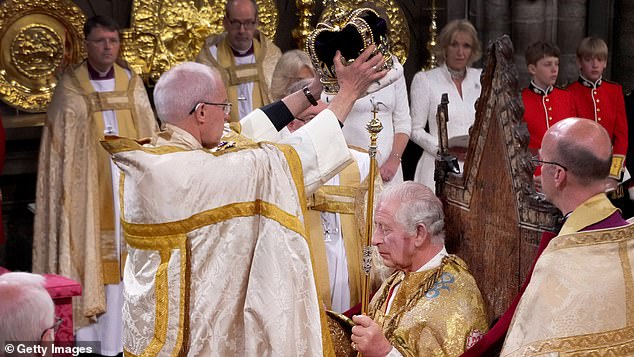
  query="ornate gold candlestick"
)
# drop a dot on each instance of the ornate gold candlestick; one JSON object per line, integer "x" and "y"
{"x": 305, "y": 13}
{"x": 433, "y": 32}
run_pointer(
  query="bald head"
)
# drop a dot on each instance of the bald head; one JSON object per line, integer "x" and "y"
{"x": 582, "y": 146}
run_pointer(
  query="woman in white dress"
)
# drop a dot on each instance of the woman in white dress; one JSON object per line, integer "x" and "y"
{"x": 458, "y": 47}
{"x": 394, "y": 115}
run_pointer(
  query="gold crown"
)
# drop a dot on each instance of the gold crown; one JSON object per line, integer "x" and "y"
{"x": 350, "y": 34}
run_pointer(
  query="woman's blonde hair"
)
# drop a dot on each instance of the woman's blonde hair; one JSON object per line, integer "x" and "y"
{"x": 446, "y": 35}
{"x": 287, "y": 72}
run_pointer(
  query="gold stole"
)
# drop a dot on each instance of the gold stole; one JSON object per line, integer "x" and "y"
{"x": 121, "y": 100}
{"x": 337, "y": 199}
{"x": 234, "y": 75}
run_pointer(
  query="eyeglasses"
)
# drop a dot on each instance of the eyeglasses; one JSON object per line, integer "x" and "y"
{"x": 542, "y": 162}
{"x": 248, "y": 25}
{"x": 55, "y": 327}
{"x": 226, "y": 107}
{"x": 103, "y": 41}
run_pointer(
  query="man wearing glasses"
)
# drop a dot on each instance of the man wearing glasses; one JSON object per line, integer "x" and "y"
{"x": 245, "y": 58}
{"x": 76, "y": 232}
{"x": 219, "y": 260}
{"x": 580, "y": 296}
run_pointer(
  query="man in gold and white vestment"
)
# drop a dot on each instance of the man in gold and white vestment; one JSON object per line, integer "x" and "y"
{"x": 244, "y": 57}
{"x": 431, "y": 306}
{"x": 219, "y": 263}
{"x": 76, "y": 232}
{"x": 580, "y": 299}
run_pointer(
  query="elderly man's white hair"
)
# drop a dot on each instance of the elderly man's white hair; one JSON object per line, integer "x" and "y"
{"x": 418, "y": 204}
{"x": 181, "y": 88}
{"x": 26, "y": 308}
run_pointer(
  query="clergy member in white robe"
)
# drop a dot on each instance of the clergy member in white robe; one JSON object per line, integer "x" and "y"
{"x": 219, "y": 262}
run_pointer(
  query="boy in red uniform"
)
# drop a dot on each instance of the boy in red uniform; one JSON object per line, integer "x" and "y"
{"x": 544, "y": 104}
{"x": 600, "y": 100}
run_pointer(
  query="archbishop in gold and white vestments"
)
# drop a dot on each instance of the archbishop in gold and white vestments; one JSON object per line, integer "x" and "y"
{"x": 75, "y": 231}
{"x": 247, "y": 77}
{"x": 219, "y": 263}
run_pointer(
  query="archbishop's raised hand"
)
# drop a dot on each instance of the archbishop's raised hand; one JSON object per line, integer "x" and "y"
{"x": 355, "y": 78}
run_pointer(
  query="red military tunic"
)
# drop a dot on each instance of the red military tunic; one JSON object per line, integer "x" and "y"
{"x": 603, "y": 102}
{"x": 542, "y": 109}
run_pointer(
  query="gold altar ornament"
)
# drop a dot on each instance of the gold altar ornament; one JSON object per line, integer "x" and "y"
{"x": 39, "y": 38}
{"x": 167, "y": 32}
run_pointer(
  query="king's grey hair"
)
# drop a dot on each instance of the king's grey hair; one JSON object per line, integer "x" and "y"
{"x": 418, "y": 205}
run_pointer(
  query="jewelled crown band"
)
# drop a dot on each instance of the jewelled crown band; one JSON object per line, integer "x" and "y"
{"x": 350, "y": 35}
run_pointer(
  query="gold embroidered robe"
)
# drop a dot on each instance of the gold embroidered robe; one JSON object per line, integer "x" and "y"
{"x": 337, "y": 199}
{"x": 211, "y": 272}
{"x": 68, "y": 237}
{"x": 580, "y": 301}
{"x": 431, "y": 322}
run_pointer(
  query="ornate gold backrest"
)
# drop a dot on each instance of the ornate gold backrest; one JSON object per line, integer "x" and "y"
{"x": 166, "y": 32}
{"x": 38, "y": 39}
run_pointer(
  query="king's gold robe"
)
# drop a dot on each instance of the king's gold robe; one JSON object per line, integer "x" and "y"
{"x": 435, "y": 312}
{"x": 580, "y": 300}
{"x": 73, "y": 236}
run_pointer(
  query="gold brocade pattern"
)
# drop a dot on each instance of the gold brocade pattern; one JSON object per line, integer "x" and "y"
{"x": 165, "y": 245}
{"x": 296, "y": 169}
{"x": 199, "y": 221}
{"x": 121, "y": 101}
{"x": 612, "y": 343}
{"x": 571, "y": 314}
{"x": 337, "y": 199}
{"x": 241, "y": 209}
{"x": 628, "y": 278}
{"x": 433, "y": 312}
{"x": 66, "y": 227}
{"x": 266, "y": 54}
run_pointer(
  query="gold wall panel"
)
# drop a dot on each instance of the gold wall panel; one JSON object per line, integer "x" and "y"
{"x": 166, "y": 32}
{"x": 38, "y": 39}
{"x": 398, "y": 30}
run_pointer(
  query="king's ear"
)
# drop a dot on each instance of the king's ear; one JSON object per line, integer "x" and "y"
{"x": 422, "y": 234}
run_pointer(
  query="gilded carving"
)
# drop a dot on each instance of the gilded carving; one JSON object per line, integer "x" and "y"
{"x": 39, "y": 38}
{"x": 166, "y": 32}
{"x": 37, "y": 51}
